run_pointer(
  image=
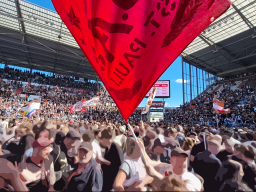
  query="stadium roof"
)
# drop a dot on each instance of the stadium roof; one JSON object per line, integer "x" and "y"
{"x": 228, "y": 45}
{"x": 35, "y": 37}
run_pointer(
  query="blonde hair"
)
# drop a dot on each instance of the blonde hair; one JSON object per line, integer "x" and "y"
{"x": 188, "y": 144}
{"x": 65, "y": 130}
{"x": 247, "y": 151}
{"x": 170, "y": 184}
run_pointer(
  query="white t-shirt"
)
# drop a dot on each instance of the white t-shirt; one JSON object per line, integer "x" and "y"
{"x": 32, "y": 173}
{"x": 189, "y": 180}
{"x": 30, "y": 176}
{"x": 139, "y": 167}
{"x": 96, "y": 149}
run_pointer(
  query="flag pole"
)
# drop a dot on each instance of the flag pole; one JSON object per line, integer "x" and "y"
{"x": 129, "y": 126}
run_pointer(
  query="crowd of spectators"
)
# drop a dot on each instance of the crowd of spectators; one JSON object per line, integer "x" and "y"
{"x": 96, "y": 151}
{"x": 55, "y": 103}
{"x": 46, "y": 79}
{"x": 241, "y": 101}
{"x": 103, "y": 155}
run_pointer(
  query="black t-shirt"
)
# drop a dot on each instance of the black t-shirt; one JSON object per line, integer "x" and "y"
{"x": 207, "y": 167}
{"x": 198, "y": 148}
{"x": 115, "y": 155}
{"x": 222, "y": 156}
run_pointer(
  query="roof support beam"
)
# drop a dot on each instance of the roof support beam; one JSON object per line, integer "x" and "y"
{"x": 236, "y": 53}
{"x": 58, "y": 46}
{"x": 216, "y": 48}
{"x": 209, "y": 42}
{"x": 247, "y": 22}
{"x": 241, "y": 69}
{"x": 44, "y": 62}
{"x": 224, "y": 46}
{"x": 194, "y": 61}
{"x": 18, "y": 62}
{"x": 230, "y": 15}
{"x": 45, "y": 56}
{"x": 40, "y": 49}
{"x": 236, "y": 58}
{"x": 23, "y": 32}
{"x": 33, "y": 23}
{"x": 14, "y": 61}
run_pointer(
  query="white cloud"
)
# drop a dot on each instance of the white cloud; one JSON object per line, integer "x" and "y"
{"x": 180, "y": 81}
{"x": 166, "y": 104}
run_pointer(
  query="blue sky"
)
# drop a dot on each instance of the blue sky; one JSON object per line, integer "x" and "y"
{"x": 173, "y": 73}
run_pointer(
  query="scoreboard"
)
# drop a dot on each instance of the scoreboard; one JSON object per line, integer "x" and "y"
{"x": 163, "y": 89}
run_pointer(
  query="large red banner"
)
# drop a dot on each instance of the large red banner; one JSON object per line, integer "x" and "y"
{"x": 130, "y": 43}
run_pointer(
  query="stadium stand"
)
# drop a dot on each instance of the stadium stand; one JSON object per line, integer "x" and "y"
{"x": 192, "y": 149}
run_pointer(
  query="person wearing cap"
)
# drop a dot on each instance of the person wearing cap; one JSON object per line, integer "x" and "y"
{"x": 112, "y": 153}
{"x": 179, "y": 170}
{"x": 64, "y": 163}
{"x": 174, "y": 176}
{"x": 87, "y": 176}
{"x": 35, "y": 173}
{"x": 120, "y": 138}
